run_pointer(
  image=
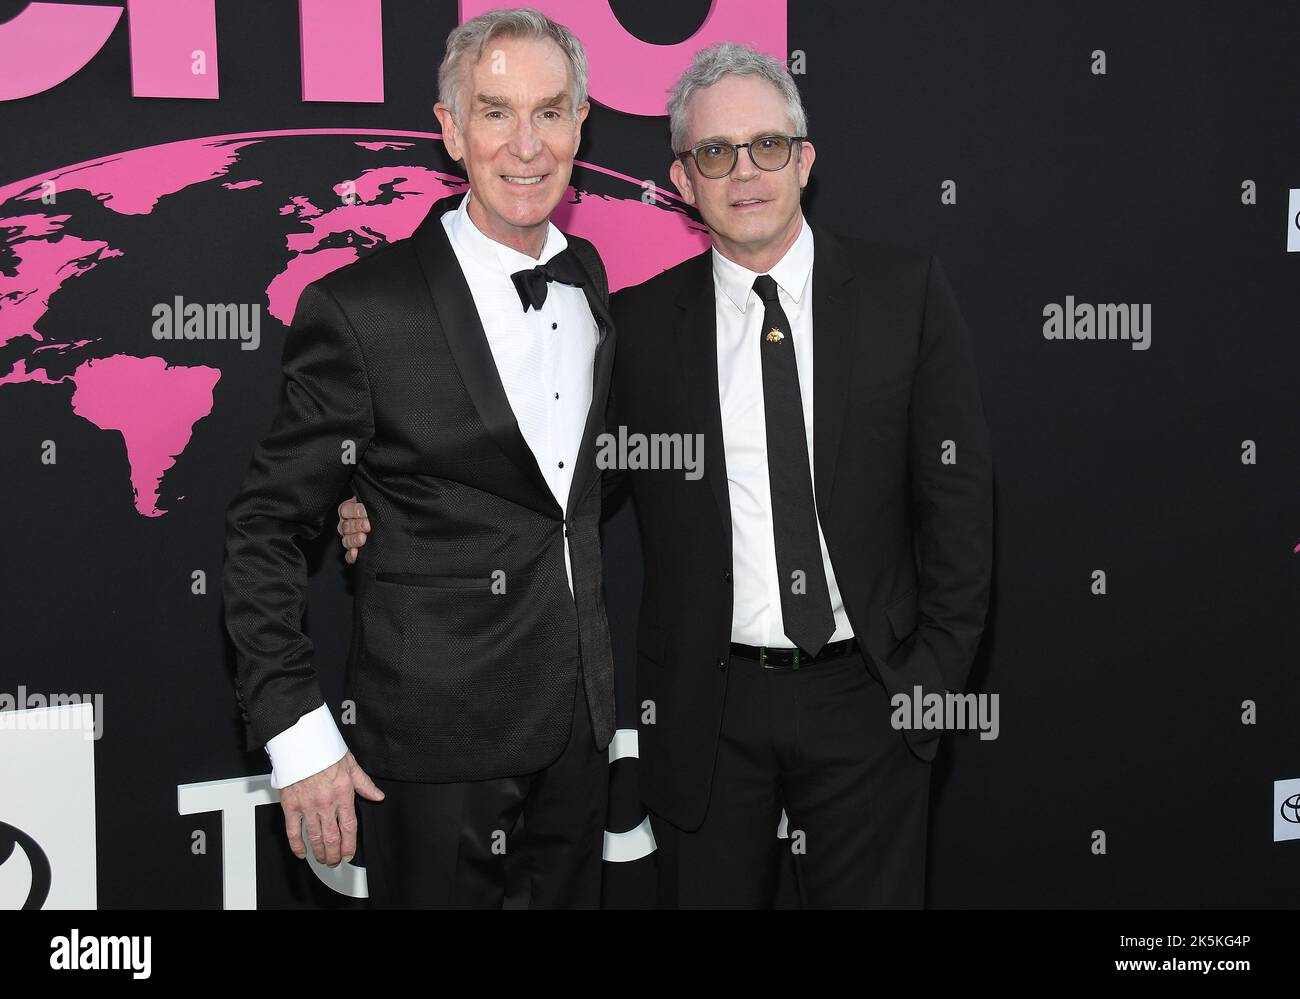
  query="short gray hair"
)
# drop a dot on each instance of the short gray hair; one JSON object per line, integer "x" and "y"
{"x": 474, "y": 36}
{"x": 730, "y": 59}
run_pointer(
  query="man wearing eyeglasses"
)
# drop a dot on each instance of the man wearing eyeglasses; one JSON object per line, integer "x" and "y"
{"x": 837, "y": 552}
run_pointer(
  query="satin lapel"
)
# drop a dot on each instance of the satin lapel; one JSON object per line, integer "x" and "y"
{"x": 602, "y": 368}
{"x": 696, "y": 331}
{"x": 835, "y": 317}
{"x": 468, "y": 343}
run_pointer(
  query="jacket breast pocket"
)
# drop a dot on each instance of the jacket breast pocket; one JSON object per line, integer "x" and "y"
{"x": 902, "y": 614}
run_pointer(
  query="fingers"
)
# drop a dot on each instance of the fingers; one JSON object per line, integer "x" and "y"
{"x": 353, "y": 534}
{"x": 363, "y": 785}
{"x": 316, "y": 834}
{"x": 347, "y": 831}
{"x": 351, "y": 515}
{"x": 324, "y": 834}
{"x": 323, "y": 802}
{"x": 353, "y": 524}
{"x": 293, "y": 829}
{"x": 349, "y": 507}
{"x": 333, "y": 837}
{"x": 351, "y": 542}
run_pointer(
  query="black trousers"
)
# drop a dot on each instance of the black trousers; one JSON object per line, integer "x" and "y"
{"x": 818, "y": 743}
{"x": 534, "y": 841}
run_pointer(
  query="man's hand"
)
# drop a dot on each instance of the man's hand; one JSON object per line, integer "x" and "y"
{"x": 325, "y": 800}
{"x": 353, "y": 525}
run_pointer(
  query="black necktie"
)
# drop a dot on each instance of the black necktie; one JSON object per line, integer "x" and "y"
{"x": 805, "y": 599}
{"x": 532, "y": 284}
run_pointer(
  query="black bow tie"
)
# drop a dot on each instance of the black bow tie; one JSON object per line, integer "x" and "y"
{"x": 532, "y": 284}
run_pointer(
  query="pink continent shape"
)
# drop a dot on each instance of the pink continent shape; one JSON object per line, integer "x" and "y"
{"x": 153, "y": 405}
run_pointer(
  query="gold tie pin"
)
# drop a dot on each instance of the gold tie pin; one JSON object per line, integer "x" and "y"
{"x": 774, "y": 335}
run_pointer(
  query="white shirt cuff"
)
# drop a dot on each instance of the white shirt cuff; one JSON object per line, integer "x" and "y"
{"x": 307, "y": 747}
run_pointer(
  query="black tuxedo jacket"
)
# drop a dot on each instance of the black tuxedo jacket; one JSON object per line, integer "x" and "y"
{"x": 391, "y": 391}
{"x": 909, "y": 535}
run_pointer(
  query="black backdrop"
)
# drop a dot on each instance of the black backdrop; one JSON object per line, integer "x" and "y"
{"x": 1119, "y": 712}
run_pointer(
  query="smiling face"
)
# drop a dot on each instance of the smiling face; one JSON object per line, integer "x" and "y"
{"x": 517, "y": 135}
{"x": 753, "y": 213}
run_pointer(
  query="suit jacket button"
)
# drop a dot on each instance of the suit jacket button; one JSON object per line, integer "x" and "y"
{"x": 726, "y": 575}
{"x": 722, "y": 664}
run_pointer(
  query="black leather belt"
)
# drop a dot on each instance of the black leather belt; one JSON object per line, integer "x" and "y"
{"x": 793, "y": 658}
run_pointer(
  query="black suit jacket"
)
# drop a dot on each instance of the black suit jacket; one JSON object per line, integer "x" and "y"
{"x": 391, "y": 392}
{"x": 909, "y": 536}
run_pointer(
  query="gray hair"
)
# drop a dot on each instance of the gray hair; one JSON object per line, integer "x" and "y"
{"x": 474, "y": 36}
{"x": 730, "y": 59}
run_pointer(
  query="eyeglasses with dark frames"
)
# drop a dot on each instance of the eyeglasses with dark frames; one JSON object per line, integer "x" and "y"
{"x": 717, "y": 159}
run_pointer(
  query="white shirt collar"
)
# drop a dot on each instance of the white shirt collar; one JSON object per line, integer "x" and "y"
{"x": 488, "y": 252}
{"x": 790, "y": 272}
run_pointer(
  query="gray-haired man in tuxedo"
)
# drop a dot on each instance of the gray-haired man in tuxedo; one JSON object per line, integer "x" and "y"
{"x": 467, "y": 368}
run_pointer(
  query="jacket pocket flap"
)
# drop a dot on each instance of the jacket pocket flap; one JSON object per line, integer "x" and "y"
{"x": 434, "y": 582}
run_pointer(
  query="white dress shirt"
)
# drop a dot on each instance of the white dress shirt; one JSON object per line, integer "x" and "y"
{"x": 545, "y": 359}
{"x": 756, "y": 609}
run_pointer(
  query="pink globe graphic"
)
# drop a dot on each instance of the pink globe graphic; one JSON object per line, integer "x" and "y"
{"x": 88, "y": 252}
